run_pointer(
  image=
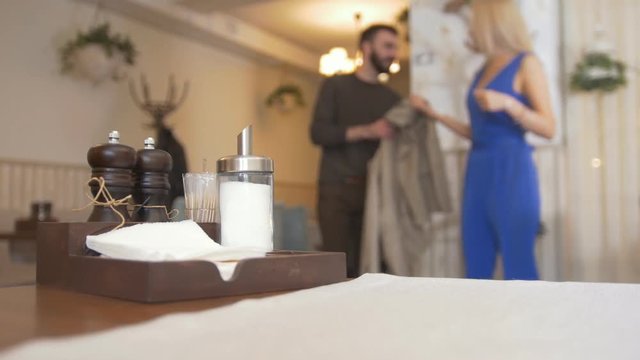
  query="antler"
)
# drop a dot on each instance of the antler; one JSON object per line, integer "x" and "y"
{"x": 171, "y": 92}
{"x": 185, "y": 91}
{"x": 145, "y": 89}
{"x": 134, "y": 95}
{"x": 158, "y": 109}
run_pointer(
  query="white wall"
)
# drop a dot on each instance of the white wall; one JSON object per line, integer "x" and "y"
{"x": 46, "y": 116}
{"x": 284, "y": 136}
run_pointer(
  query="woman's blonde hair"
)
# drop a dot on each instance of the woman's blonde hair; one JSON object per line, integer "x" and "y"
{"x": 498, "y": 25}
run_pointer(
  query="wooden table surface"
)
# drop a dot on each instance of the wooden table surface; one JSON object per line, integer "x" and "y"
{"x": 30, "y": 312}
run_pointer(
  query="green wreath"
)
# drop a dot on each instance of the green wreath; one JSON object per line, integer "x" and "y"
{"x": 598, "y": 72}
{"x": 276, "y": 96}
{"x": 99, "y": 35}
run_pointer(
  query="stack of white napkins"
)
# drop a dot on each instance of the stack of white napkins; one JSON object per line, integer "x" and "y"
{"x": 184, "y": 240}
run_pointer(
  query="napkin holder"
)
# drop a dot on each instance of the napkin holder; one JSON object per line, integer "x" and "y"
{"x": 64, "y": 261}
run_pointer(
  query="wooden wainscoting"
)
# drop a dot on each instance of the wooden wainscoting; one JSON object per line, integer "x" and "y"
{"x": 23, "y": 182}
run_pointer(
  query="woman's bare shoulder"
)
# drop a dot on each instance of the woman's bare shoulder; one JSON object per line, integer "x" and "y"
{"x": 531, "y": 63}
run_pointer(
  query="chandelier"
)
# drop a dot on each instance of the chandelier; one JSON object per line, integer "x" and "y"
{"x": 337, "y": 61}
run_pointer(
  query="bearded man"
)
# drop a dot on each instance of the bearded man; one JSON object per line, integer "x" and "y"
{"x": 348, "y": 125}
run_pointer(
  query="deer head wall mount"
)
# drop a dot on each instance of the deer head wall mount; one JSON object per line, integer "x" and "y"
{"x": 158, "y": 110}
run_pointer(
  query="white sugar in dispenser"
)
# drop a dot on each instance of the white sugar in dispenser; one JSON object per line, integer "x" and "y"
{"x": 245, "y": 197}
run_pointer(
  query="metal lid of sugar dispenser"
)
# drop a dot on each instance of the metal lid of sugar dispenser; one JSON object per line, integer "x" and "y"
{"x": 245, "y": 161}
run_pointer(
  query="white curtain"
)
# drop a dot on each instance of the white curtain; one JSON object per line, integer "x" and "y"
{"x": 602, "y": 241}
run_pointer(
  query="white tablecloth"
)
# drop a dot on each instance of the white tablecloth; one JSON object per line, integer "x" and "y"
{"x": 385, "y": 317}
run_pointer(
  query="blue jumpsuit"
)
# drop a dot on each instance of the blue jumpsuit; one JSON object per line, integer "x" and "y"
{"x": 501, "y": 204}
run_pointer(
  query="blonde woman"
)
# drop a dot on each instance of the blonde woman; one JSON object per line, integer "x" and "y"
{"x": 508, "y": 98}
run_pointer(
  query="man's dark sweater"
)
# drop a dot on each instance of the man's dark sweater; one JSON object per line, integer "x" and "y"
{"x": 346, "y": 101}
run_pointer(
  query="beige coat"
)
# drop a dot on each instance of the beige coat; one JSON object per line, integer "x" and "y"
{"x": 406, "y": 185}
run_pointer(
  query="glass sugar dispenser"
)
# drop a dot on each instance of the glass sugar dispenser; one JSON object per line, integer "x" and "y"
{"x": 245, "y": 197}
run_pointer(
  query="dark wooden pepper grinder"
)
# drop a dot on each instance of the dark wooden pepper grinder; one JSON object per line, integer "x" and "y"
{"x": 114, "y": 163}
{"x": 152, "y": 187}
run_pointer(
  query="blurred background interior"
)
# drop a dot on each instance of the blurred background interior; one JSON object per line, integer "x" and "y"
{"x": 259, "y": 62}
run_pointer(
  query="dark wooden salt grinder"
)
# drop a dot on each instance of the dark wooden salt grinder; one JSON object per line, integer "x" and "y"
{"x": 114, "y": 163}
{"x": 151, "y": 175}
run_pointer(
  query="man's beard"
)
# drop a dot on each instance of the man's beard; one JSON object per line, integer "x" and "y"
{"x": 378, "y": 63}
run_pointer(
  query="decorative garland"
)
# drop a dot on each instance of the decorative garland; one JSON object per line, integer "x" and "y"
{"x": 98, "y": 35}
{"x": 277, "y": 96}
{"x": 598, "y": 71}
